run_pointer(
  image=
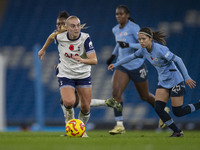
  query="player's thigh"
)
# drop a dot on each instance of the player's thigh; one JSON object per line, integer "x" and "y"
{"x": 85, "y": 95}
{"x": 177, "y": 101}
{"x": 119, "y": 81}
{"x": 67, "y": 90}
{"x": 142, "y": 88}
{"x": 177, "y": 92}
{"x": 84, "y": 90}
{"x": 68, "y": 95}
{"x": 162, "y": 94}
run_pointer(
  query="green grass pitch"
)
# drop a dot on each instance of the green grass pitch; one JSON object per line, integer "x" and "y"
{"x": 99, "y": 140}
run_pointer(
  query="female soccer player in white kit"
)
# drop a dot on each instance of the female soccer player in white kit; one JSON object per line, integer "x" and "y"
{"x": 60, "y": 27}
{"x": 76, "y": 54}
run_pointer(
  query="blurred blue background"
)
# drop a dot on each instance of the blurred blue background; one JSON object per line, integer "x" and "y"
{"x": 25, "y": 23}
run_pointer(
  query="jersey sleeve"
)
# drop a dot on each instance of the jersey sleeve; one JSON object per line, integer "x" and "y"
{"x": 139, "y": 53}
{"x": 89, "y": 48}
{"x": 125, "y": 60}
{"x": 115, "y": 51}
{"x": 135, "y": 45}
{"x": 182, "y": 67}
{"x": 135, "y": 31}
{"x": 167, "y": 54}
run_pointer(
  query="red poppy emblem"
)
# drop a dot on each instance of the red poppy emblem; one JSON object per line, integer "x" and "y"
{"x": 151, "y": 58}
{"x": 71, "y": 47}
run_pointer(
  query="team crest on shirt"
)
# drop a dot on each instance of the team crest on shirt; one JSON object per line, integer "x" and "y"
{"x": 156, "y": 59}
{"x": 125, "y": 33}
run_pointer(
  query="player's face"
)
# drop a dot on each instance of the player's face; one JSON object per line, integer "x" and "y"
{"x": 74, "y": 28}
{"x": 145, "y": 41}
{"x": 60, "y": 22}
{"x": 121, "y": 16}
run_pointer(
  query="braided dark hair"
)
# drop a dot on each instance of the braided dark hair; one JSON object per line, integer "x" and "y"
{"x": 63, "y": 14}
{"x": 126, "y": 10}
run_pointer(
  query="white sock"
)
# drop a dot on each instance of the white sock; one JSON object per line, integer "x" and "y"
{"x": 84, "y": 117}
{"x": 70, "y": 110}
{"x": 95, "y": 103}
{"x": 120, "y": 123}
{"x": 64, "y": 109}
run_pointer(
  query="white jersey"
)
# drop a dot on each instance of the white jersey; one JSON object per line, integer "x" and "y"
{"x": 68, "y": 67}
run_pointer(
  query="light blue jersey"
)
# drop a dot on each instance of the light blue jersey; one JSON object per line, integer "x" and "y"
{"x": 163, "y": 60}
{"x": 129, "y": 35}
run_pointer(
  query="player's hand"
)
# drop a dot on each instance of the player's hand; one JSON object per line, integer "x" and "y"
{"x": 78, "y": 58}
{"x": 123, "y": 44}
{"x": 110, "y": 59}
{"x": 41, "y": 54}
{"x": 111, "y": 67}
{"x": 55, "y": 67}
{"x": 191, "y": 83}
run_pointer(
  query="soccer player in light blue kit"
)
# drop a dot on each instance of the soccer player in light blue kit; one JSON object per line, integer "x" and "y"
{"x": 125, "y": 33}
{"x": 171, "y": 82}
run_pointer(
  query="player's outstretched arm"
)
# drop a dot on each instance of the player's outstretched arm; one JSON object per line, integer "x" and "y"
{"x": 132, "y": 45}
{"x": 49, "y": 40}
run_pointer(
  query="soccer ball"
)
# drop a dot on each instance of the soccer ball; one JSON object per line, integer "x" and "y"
{"x": 75, "y": 128}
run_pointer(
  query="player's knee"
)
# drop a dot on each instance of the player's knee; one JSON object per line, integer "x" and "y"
{"x": 177, "y": 111}
{"x": 68, "y": 103}
{"x": 85, "y": 107}
{"x": 144, "y": 98}
{"x": 159, "y": 107}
